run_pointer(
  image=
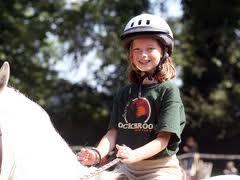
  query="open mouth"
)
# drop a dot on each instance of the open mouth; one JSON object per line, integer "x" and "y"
{"x": 146, "y": 62}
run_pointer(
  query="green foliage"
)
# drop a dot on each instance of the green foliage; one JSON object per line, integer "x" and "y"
{"x": 24, "y": 28}
{"x": 79, "y": 112}
{"x": 210, "y": 48}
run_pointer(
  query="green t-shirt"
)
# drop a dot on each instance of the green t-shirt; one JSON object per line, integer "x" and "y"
{"x": 139, "y": 120}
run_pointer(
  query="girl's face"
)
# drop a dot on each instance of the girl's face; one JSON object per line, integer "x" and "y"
{"x": 145, "y": 53}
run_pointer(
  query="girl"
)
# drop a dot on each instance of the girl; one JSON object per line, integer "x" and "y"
{"x": 148, "y": 114}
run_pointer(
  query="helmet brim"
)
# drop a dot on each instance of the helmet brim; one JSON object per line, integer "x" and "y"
{"x": 144, "y": 30}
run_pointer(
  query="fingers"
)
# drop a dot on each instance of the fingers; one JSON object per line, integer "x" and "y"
{"x": 123, "y": 151}
{"x": 86, "y": 156}
{"x": 118, "y": 147}
{"x": 121, "y": 147}
{"x": 126, "y": 154}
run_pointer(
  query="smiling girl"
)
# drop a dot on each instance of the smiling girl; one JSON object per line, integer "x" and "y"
{"x": 148, "y": 114}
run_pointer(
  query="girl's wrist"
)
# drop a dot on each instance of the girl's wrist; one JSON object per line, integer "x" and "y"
{"x": 97, "y": 156}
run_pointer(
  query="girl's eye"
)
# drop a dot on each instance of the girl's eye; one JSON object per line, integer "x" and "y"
{"x": 151, "y": 49}
{"x": 136, "y": 50}
{"x": 139, "y": 50}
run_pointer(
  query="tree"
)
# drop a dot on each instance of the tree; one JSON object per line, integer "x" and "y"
{"x": 25, "y": 26}
{"x": 79, "y": 112}
{"x": 210, "y": 48}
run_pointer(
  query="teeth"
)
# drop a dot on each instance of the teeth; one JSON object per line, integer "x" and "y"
{"x": 144, "y": 62}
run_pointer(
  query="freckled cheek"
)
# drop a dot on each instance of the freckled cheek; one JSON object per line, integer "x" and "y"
{"x": 134, "y": 58}
{"x": 134, "y": 61}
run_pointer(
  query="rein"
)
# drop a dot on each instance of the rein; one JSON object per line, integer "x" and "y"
{"x": 101, "y": 169}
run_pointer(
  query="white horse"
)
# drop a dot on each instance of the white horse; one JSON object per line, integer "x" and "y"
{"x": 31, "y": 147}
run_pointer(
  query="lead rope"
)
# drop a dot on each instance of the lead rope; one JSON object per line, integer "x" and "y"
{"x": 101, "y": 169}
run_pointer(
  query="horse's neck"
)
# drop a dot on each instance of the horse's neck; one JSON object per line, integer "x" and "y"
{"x": 35, "y": 145}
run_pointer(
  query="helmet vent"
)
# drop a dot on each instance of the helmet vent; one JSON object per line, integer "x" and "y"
{"x": 148, "y": 22}
{"x": 132, "y": 24}
{"x": 139, "y": 22}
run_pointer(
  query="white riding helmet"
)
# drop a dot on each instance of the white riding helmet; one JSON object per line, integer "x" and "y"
{"x": 151, "y": 26}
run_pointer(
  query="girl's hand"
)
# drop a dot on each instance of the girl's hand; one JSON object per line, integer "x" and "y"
{"x": 87, "y": 157}
{"x": 126, "y": 154}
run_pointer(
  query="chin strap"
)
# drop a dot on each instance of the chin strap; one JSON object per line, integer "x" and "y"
{"x": 158, "y": 68}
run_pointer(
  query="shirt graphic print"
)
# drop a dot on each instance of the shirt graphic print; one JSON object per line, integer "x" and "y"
{"x": 136, "y": 115}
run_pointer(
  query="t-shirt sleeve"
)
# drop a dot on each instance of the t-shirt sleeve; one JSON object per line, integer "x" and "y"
{"x": 171, "y": 116}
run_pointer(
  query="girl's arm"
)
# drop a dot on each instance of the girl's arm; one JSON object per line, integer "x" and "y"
{"x": 89, "y": 156}
{"x": 148, "y": 150}
{"x": 108, "y": 142}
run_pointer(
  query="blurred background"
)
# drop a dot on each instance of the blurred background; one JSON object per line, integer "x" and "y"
{"x": 67, "y": 56}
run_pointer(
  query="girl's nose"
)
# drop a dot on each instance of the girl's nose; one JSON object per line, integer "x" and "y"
{"x": 144, "y": 53}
